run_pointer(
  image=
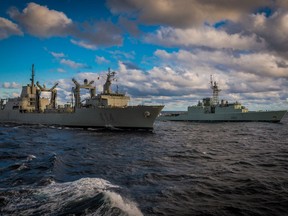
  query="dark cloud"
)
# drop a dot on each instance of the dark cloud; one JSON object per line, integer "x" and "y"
{"x": 249, "y": 25}
{"x": 129, "y": 26}
{"x": 103, "y": 33}
{"x": 185, "y": 13}
{"x": 131, "y": 66}
{"x": 40, "y": 21}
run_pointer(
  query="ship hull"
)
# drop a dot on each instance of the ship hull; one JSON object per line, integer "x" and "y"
{"x": 266, "y": 116}
{"x": 131, "y": 117}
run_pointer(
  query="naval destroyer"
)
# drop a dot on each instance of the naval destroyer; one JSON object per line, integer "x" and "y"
{"x": 105, "y": 110}
{"x": 211, "y": 110}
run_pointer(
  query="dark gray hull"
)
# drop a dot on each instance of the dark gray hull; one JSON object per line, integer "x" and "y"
{"x": 266, "y": 116}
{"x": 131, "y": 117}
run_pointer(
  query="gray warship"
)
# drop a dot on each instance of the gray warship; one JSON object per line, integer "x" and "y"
{"x": 211, "y": 110}
{"x": 105, "y": 110}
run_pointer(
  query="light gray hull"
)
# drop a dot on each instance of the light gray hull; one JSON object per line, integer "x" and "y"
{"x": 267, "y": 116}
{"x": 131, "y": 117}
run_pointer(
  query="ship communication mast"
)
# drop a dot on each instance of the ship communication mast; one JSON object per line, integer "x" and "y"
{"x": 32, "y": 76}
{"x": 216, "y": 90}
{"x": 107, "y": 85}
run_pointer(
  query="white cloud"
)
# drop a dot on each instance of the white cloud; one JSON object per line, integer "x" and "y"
{"x": 84, "y": 44}
{"x": 262, "y": 64}
{"x": 185, "y": 83}
{"x": 187, "y": 78}
{"x": 41, "y": 21}
{"x": 11, "y": 85}
{"x": 8, "y": 28}
{"x": 205, "y": 37}
{"x": 160, "y": 81}
{"x": 72, "y": 64}
{"x": 57, "y": 55}
{"x": 101, "y": 60}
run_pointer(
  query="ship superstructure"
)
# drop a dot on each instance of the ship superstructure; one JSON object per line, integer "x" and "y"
{"x": 212, "y": 110}
{"x": 107, "y": 109}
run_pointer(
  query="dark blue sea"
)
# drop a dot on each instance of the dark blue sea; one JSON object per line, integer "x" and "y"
{"x": 180, "y": 168}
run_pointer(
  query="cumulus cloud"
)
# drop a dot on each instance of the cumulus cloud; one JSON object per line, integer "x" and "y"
{"x": 8, "y": 28}
{"x": 245, "y": 24}
{"x": 160, "y": 81}
{"x": 274, "y": 29}
{"x": 261, "y": 64}
{"x": 185, "y": 13}
{"x": 205, "y": 36}
{"x": 187, "y": 77}
{"x": 253, "y": 79}
{"x": 187, "y": 80}
{"x": 40, "y": 21}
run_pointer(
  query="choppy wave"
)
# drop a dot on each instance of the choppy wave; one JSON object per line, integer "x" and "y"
{"x": 87, "y": 196}
{"x": 181, "y": 168}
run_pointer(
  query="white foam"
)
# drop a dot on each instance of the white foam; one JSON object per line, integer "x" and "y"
{"x": 127, "y": 206}
{"x": 52, "y": 198}
{"x": 23, "y": 166}
{"x": 30, "y": 157}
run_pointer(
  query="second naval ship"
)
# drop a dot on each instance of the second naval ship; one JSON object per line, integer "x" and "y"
{"x": 211, "y": 110}
{"x": 105, "y": 110}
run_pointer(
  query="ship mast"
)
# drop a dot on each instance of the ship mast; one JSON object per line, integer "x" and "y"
{"x": 107, "y": 85}
{"x": 32, "y": 77}
{"x": 216, "y": 90}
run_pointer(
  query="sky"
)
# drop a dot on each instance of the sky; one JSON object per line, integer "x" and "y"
{"x": 163, "y": 51}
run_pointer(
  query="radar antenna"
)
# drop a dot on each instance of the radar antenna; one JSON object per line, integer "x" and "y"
{"x": 216, "y": 90}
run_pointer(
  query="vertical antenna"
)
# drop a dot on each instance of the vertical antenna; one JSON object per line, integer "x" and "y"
{"x": 32, "y": 77}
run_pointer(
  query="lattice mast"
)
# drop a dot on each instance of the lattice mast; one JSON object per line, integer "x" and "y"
{"x": 216, "y": 90}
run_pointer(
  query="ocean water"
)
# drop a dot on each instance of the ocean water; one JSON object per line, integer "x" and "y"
{"x": 180, "y": 168}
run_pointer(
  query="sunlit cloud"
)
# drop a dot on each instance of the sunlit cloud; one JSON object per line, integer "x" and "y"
{"x": 203, "y": 37}
{"x": 8, "y": 28}
{"x": 41, "y": 21}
